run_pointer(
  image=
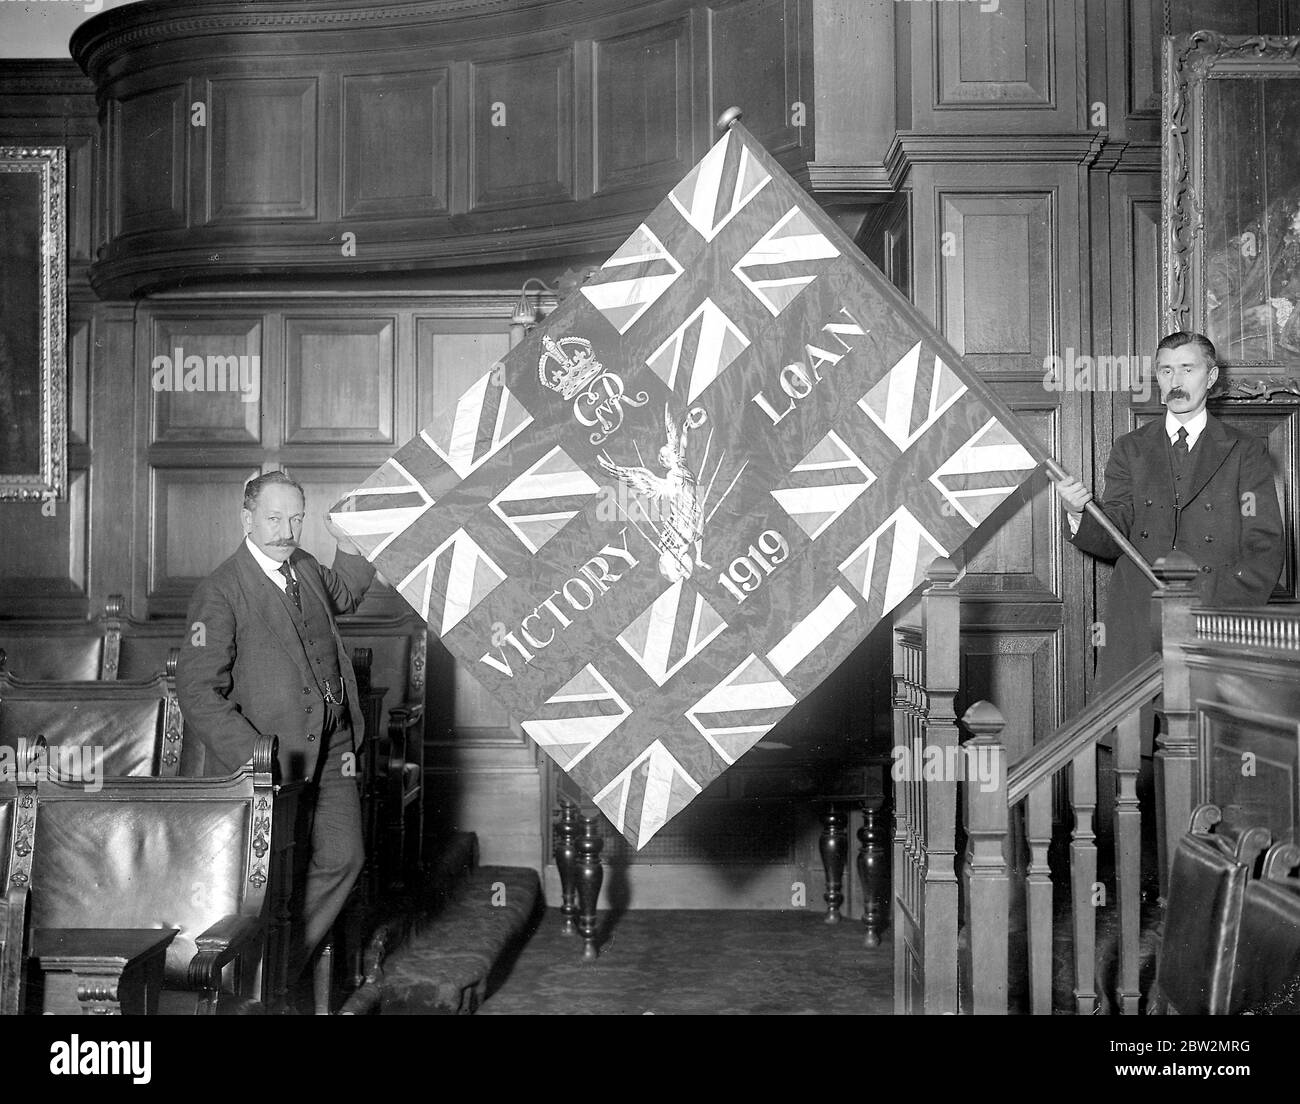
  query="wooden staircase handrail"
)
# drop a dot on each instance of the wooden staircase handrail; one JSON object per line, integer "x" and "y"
{"x": 1101, "y": 715}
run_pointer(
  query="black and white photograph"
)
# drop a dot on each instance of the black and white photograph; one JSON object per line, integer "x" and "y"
{"x": 651, "y": 507}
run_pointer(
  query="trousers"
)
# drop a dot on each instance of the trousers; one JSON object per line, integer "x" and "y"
{"x": 331, "y": 821}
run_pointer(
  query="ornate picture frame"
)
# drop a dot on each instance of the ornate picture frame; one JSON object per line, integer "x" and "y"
{"x": 33, "y": 358}
{"x": 1230, "y": 203}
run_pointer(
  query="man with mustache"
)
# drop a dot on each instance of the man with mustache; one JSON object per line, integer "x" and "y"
{"x": 1188, "y": 482}
{"x": 263, "y": 655}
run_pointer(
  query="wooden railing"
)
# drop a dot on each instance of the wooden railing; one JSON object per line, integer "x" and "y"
{"x": 926, "y": 936}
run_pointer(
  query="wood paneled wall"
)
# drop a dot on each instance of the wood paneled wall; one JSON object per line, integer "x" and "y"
{"x": 963, "y": 147}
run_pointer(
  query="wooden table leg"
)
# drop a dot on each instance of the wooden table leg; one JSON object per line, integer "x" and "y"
{"x": 873, "y": 871}
{"x": 590, "y": 875}
{"x": 566, "y": 863}
{"x": 834, "y": 845}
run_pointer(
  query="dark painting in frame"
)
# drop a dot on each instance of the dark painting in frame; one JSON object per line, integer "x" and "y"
{"x": 1231, "y": 195}
{"x": 33, "y": 373}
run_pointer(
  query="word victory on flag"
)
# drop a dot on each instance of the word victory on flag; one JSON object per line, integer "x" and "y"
{"x": 674, "y": 508}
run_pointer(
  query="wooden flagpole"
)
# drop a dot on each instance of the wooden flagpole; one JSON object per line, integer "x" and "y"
{"x": 1099, "y": 516}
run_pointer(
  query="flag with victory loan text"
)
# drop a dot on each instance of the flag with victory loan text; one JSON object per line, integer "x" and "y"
{"x": 678, "y": 504}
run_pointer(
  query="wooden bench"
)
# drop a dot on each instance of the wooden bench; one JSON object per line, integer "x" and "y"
{"x": 136, "y": 726}
{"x": 64, "y": 651}
{"x": 208, "y": 857}
{"x": 1266, "y": 974}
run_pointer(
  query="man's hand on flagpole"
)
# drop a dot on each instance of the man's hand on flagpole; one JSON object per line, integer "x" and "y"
{"x": 1074, "y": 495}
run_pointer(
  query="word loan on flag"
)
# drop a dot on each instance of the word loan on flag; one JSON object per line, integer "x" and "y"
{"x": 687, "y": 495}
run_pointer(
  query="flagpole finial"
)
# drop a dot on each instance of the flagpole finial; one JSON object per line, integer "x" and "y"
{"x": 729, "y": 118}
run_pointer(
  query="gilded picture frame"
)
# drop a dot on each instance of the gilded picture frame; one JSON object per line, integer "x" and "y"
{"x": 1230, "y": 203}
{"x": 33, "y": 293}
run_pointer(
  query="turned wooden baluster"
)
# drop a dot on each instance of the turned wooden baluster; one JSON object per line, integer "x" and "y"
{"x": 834, "y": 845}
{"x": 590, "y": 875}
{"x": 988, "y": 885}
{"x": 1128, "y": 856}
{"x": 873, "y": 869}
{"x": 1175, "y": 758}
{"x": 1083, "y": 878}
{"x": 566, "y": 863}
{"x": 1038, "y": 896}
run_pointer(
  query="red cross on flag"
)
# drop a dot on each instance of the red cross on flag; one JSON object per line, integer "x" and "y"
{"x": 693, "y": 490}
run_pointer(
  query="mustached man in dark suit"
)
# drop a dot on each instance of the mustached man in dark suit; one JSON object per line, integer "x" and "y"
{"x": 1187, "y": 482}
{"x": 264, "y": 656}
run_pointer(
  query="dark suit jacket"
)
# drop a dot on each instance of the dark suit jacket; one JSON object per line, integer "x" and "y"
{"x": 250, "y": 675}
{"x": 1236, "y": 540}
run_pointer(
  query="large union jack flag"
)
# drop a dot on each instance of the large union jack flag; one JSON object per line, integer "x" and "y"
{"x": 680, "y": 503}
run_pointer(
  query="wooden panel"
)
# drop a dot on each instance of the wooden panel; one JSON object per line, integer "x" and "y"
{"x": 395, "y": 154}
{"x": 81, "y": 195}
{"x": 996, "y": 57}
{"x": 643, "y": 107}
{"x": 195, "y": 525}
{"x": 149, "y": 150}
{"x": 997, "y": 289}
{"x": 1016, "y": 671}
{"x": 451, "y": 355}
{"x": 340, "y": 376}
{"x": 478, "y": 714}
{"x": 885, "y": 238}
{"x": 521, "y": 130}
{"x": 262, "y": 158}
{"x": 1144, "y": 238}
{"x": 78, "y": 380}
{"x": 45, "y": 556}
{"x": 755, "y": 63}
{"x": 226, "y": 400}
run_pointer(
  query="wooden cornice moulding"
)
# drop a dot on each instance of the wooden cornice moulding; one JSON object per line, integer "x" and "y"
{"x": 838, "y": 179}
{"x": 910, "y": 148}
{"x": 145, "y": 270}
{"x": 44, "y": 77}
{"x": 334, "y": 25}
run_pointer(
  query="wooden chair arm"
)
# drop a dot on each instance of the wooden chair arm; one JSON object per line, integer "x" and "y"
{"x": 221, "y": 943}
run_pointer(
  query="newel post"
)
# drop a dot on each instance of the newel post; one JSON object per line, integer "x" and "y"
{"x": 988, "y": 884}
{"x": 1175, "y": 758}
{"x": 941, "y": 628}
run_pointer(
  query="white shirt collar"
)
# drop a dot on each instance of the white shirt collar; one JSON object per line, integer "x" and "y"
{"x": 1193, "y": 426}
{"x": 270, "y": 566}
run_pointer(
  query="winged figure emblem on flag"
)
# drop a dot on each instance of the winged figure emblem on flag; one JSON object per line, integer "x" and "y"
{"x": 786, "y": 443}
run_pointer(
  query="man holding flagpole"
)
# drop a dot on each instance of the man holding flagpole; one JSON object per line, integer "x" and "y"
{"x": 1186, "y": 482}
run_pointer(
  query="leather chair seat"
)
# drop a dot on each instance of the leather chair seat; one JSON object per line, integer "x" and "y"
{"x": 57, "y": 658}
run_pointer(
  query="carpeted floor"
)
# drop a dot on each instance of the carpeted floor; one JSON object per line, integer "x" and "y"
{"x": 662, "y": 962}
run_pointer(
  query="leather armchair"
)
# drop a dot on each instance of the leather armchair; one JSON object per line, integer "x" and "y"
{"x": 205, "y": 856}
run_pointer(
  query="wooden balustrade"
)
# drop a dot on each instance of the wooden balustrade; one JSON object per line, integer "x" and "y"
{"x": 995, "y": 795}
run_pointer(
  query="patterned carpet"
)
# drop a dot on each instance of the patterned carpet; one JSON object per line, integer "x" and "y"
{"x": 662, "y": 962}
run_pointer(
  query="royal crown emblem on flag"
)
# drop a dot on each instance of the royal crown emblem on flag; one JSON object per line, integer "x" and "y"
{"x": 679, "y": 504}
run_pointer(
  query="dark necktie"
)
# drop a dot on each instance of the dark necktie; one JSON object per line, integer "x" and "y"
{"x": 1180, "y": 450}
{"x": 292, "y": 584}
